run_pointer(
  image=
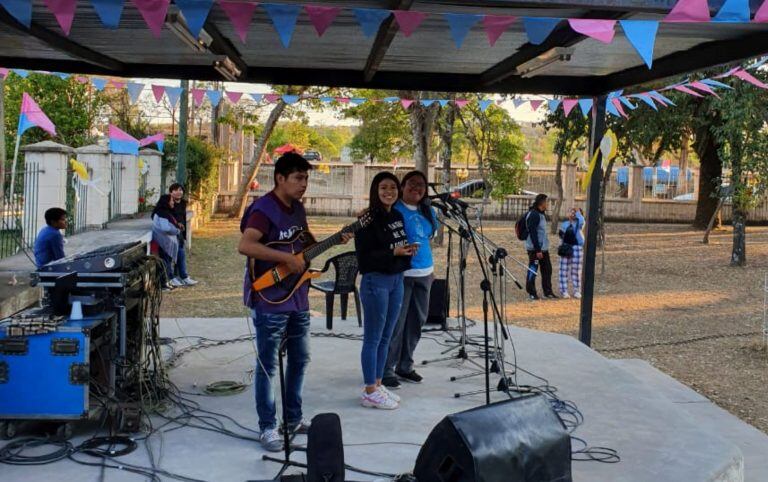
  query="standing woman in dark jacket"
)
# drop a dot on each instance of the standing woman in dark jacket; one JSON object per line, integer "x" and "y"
{"x": 383, "y": 254}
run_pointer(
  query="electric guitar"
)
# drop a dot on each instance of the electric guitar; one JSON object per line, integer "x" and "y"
{"x": 276, "y": 284}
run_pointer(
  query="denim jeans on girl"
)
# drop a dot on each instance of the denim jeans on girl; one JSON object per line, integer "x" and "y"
{"x": 167, "y": 265}
{"x": 382, "y": 296}
{"x": 270, "y": 328}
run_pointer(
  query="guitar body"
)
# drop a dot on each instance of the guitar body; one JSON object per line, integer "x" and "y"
{"x": 277, "y": 284}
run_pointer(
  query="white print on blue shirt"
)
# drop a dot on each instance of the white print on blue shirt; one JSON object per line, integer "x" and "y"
{"x": 288, "y": 233}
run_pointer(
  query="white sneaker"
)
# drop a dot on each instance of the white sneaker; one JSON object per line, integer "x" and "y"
{"x": 271, "y": 441}
{"x": 176, "y": 283}
{"x": 389, "y": 394}
{"x": 377, "y": 399}
{"x": 577, "y": 295}
{"x": 565, "y": 296}
{"x": 189, "y": 281}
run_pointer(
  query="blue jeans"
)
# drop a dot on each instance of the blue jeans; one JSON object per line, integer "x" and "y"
{"x": 270, "y": 328}
{"x": 167, "y": 265}
{"x": 382, "y": 296}
{"x": 181, "y": 263}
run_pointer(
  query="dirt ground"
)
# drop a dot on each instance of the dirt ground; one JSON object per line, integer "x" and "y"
{"x": 661, "y": 291}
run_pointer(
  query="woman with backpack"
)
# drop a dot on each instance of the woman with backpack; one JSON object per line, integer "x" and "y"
{"x": 570, "y": 252}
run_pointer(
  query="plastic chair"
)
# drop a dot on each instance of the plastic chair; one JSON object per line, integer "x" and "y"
{"x": 345, "y": 265}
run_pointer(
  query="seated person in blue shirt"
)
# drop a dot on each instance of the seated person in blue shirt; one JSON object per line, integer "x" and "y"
{"x": 49, "y": 245}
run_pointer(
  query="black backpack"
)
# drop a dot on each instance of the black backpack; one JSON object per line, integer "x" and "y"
{"x": 521, "y": 227}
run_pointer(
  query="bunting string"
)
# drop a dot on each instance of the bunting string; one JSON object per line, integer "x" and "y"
{"x": 641, "y": 34}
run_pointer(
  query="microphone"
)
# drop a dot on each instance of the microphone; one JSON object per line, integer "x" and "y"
{"x": 451, "y": 198}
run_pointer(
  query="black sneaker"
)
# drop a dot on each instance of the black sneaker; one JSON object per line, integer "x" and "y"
{"x": 533, "y": 298}
{"x": 390, "y": 382}
{"x": 412, "y": 377}
{"x": 552, "y": 296}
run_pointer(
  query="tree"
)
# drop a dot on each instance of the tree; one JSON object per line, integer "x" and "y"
{"x": 383, "y": 134}
{"x": 422, "y": 120}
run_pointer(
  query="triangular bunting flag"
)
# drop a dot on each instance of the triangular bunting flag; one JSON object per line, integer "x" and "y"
{"x": 648, "y": 100}
{"x": 704, "y": 88}
{"x": 25, "y": 73}
{"x": 733, "y": 11}
{"x": 484, "y": 104}
{"x": 240, "y": 14}
{"x": 539, "y": 28}
{"x": 234, "y": 97}
{"x": 553, "y": 104}
{"x": 518, "y": 102}
{"x": 326, "y": 99}
{"x": 369, "y": 19}
{"x": 443, "y": 102}
{"x": 271, "y": 98}
{"x": 99, "y": 83}
{"x": 535, "y": 104}
{"x": 198, "y": 95}
{"x": 120, "y": 142}
{"x": 460, "y": 103}
{"x": 427, "y": 102}
{"x": 460, "y": 25}
{"x": 611, "y": 108}
{"x": 195, "y": 12}
{"x": 617, "y": 103}
{"x": 79, "y": 78}
{"x": 406, "y": 103}
{"x": 760, "y": 16}
{"x": 642, "y": 35}
{"x": 64, "y": 11}
{"x": 109, "y": 12}
{"x": 358, "y": 100}
{"x": 117, "y": 84}
{"x": 627, "y": 103}
{"x": 4, "y": 72}
{"x": 134, "y": 91}
{"x": 173, "y": 94}
{"x": 747, "y": 77}
{"x": 21, "y": 10}
{"x": 586, "y": 106}
{"x": 342, "y": 100}
{"x": 32, "y": 115}
{"x": 408, "y": 20}
{"x": 290, "y": 99}
{"x": 688, "y": 91}
{"x": 214, "y": 96}
{"x": 153, "y": 12}
{"x": 283, "y": 18}
{"x": 715, "y": 83}
{"x": 689, "y": 11}
{"x": 601, "y": 30}
{"x": 158, "y": 91}
{"x": 660, "y": 98}
{"x": 321, "y": 17}
{"x": 568, "y": 105}
{"x": 257, "y": 97}
{"x": 495, "y": 25}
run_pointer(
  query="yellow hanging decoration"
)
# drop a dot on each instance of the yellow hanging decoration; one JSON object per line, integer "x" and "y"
{"x": 324, "y": 168}
{"x": 608, "y": 146}
{"x": 79, "y": 169}
{"x": 143, "y": 166}
{"x": 462, "y": 174}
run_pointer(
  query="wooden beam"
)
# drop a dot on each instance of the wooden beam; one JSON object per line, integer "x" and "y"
{"x": 562, "y": 36}
{"x": 384, "y": 38}
{"x": 706, "y": 55}
{"x": 63, "y": 44}
{"x": 221, "y": 45}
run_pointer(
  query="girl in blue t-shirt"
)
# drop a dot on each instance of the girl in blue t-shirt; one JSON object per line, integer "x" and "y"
{"x": 420, "y": 225}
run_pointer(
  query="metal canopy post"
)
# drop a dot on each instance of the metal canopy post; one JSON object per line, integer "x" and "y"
{"x": 597, "y": 131}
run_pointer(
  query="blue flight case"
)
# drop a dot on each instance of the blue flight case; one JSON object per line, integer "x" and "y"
{"x": 48, "y": 376}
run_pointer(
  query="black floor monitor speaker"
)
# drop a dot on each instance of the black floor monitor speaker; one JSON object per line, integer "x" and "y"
{"x": 438, "y": 303}
{"x": 520, "y": 440}
{"x": 325, "y": 449}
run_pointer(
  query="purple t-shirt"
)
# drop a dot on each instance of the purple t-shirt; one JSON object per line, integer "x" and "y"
{"x": 276, "y": 222}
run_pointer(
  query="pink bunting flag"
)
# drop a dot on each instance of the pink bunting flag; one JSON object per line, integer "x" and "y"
{"x": 495, "y": 25}
{"x": 158, "y": 90}
{"x": 272, "y": 98}
{"x": 342, "y": 100}
{"x": 240, "y": 14}
{"x": 117, "y": 84}
{"x": 198, "y": 95}
{"x": 762, "y": 13}
{"x": 153, "y": 12}
{"x": 64, "y": 11}
{"x": 321, "y": 17}
{"x": 149, "y": 140}
{"x": 747, "y": 77}
{"x": 535, "y": 104}
{"x": 617, "y": 103}
{"x": 568, "y": 105}
{"x": 704, "y": 88}
{"x": 686, "y": 90}
{"x": 3, "y": 72}
{"x": 689, "y": 11}
{"x": 408, "y": 21}
{"x": 406, "y": 103}
{"x": 460, "y": 103}
{"x": 234, "y": 97}
{"x": 120, "y": 135}
{"x": 34, "y": 115}
{"x": 601, "y": 30}
{"x": 81, "y": 79}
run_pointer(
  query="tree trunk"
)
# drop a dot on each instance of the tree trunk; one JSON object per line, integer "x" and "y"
{"x": 739, "y": 252}
{"x": 422, "y": 122}
{"x": 712, "y": 220}
{"x": 445, "y": 131}
{"x": 559, "y": 202}
{"x": 238, "y": 207}
{"x": 710, "y": 172}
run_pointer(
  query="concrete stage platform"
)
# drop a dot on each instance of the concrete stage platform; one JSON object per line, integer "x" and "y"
{"x": 662, "y": 430}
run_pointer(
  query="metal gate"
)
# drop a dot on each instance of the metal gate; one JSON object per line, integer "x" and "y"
{"x": 117, "y": 187}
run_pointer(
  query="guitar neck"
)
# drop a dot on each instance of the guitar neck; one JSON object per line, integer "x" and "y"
{"x": 319, "y": 248}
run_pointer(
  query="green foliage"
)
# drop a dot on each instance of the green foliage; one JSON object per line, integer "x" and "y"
{"x": 72, "y": 107}
{"x": 506, "y": 166}
{"x": 570, "y": 133}
{"x": 328, "y": 141}
{"x": 384, "y": 133}
{"x": 202, "y": 162}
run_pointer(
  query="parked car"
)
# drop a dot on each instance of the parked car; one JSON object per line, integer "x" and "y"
{"x": 313, "y": 156}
